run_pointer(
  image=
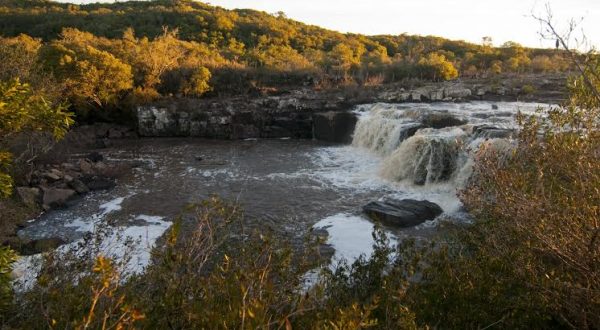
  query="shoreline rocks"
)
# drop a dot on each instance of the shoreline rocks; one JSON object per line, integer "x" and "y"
{"x": 54, "y": 186}
{"x": 323, "y": 115}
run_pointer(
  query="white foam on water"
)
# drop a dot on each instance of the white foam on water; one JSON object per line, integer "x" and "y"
{"x": 143, "y": 239}
{"x": 117, "y": 242}
{"x": 112, "y": 206}
{"x": 350, "y": 235}
{"x": 344, "y": 167}
{"x": 348, "y": 167}
{"x": 82, "y": 225}
{"x": 132, "y": 242}
{"x": 211, "y": 173}
{"x": 88, "y": 225}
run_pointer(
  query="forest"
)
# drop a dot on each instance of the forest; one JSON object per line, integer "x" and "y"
{"x": 116, "y": 55}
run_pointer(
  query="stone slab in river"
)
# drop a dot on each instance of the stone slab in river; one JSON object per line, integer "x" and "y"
{"x": 402, "y": 213}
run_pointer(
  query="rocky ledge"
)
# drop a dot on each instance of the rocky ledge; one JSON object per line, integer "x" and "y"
{"x": 324, "y": 115}
{"x": 301, "y": 114}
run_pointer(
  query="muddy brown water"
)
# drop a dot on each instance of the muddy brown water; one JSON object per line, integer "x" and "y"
{"x": 285, "y": 186}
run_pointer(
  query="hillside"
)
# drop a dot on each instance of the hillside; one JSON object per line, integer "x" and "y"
{"x": 144, "y": 50}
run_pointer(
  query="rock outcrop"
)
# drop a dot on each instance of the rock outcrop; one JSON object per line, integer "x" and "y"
{"x": 307, "y": 113}
{"x": 225, "y": 120}
{"x": 334, "y": 126}
{"x": 53, "y": 186}
{"x": 402, "y": 213}
{"x": 439, "y": 120}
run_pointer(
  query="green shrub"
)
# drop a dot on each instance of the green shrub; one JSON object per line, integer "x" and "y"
{"x": 528, "y": 89}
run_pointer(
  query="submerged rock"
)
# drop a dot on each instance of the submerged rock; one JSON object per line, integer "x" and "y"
{"x": 402, "y": 213}
{"x": 491, "y": 132}
{"x": 441, "y": 120}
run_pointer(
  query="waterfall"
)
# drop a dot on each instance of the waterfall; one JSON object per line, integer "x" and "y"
{"x": 414, "y": 151}
{"x": 382, "y": 130}
{"x": 429, "y": 156}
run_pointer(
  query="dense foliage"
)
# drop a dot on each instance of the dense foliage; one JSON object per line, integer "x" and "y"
{"x": 22, "y": 110}
{"x": 123, "y": 53}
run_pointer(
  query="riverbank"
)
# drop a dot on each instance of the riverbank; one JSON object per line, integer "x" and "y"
{"x": 308, "y": 113}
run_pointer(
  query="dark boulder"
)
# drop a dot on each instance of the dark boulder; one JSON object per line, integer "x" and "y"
{"x": 440, "y": 120}
{"x": 79, "y": 186}
{"x": 402, "y": 213}
{"x": 334, "y": 126}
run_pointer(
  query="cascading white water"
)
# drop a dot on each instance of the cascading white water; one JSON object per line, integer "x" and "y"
{"x": 382, "y": 129}
{"x": 430, "y": 156}
{"x": 421, "y": 155}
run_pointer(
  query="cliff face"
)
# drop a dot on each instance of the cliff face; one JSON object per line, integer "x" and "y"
{"x": 322, "y": 115}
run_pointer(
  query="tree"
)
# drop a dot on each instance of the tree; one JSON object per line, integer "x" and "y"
{"x": 436, "y": 67}
{"x": 342, "y": 59}
{"x": 518, "y": 60}
{"x": 21, "y": 53}
{"x": 487, "y": 41}
{"x": 374, "y": 61}
{"x": 197, "y": 83}
{"x": 91, "y": 75}
{"x": 496, "y": 67}
{"x": 22, "y": 110}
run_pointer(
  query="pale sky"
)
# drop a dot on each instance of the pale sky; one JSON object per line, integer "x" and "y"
{"x": 470, "y": 20}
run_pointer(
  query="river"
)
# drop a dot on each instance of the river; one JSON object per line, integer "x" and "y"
{"x": 290, "y": 186}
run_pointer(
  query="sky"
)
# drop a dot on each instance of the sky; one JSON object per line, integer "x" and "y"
{"x": 470, "y": 20}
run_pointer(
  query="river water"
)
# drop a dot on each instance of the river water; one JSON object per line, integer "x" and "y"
{"x": 289, "y": 186}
